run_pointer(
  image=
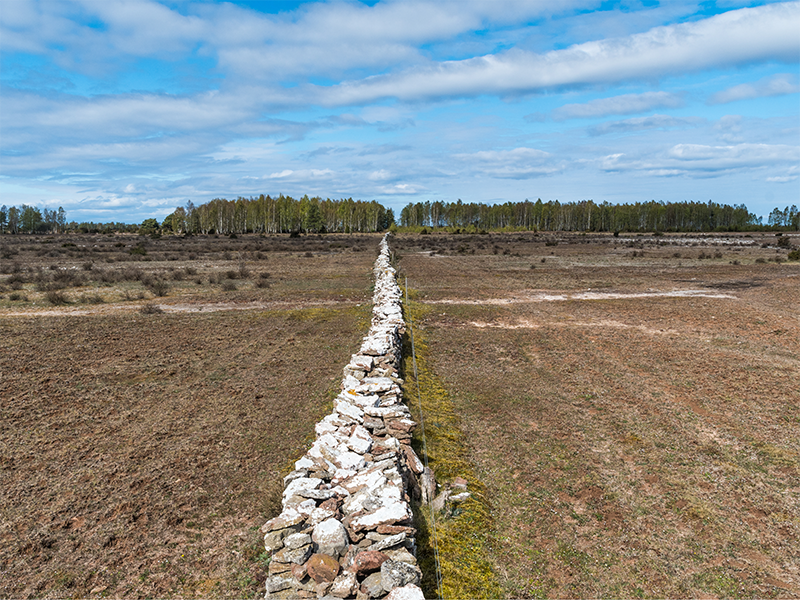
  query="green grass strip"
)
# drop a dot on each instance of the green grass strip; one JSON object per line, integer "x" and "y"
{"x": 464, "y": 537}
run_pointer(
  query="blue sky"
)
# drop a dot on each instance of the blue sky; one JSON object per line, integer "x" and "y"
{"x": 121, "y": 110}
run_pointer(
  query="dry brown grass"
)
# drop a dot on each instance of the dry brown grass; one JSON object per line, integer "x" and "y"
{"x": 139, "y": 453}
{"x": 630, "y": 446}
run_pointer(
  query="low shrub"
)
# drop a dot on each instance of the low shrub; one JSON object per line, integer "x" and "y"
{"x": 151, "y": 309}
{"x": 157, "y": 286}
{"x": 56, "y": 297}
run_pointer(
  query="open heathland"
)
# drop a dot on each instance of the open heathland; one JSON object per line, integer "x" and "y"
{"x": 624, "y": 409}
{"x": 630, "y": 407}
{"x": 143, "y": 437}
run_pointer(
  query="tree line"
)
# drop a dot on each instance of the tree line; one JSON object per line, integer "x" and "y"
{"x": 589, "y": 216}
{"x": 30, "y": 219}
{"x": 282, "y": 214}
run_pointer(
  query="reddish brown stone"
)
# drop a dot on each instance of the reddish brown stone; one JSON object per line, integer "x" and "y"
{"x": 368, "y": 561}
{"x": 322, "y": 567}
{"x": 393, "y": 529}
{"x": 331, "y": 504}
{"x": 401, "y": 425}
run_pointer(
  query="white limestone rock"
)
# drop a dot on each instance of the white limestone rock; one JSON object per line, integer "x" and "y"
{"x": 385, "y": 515}
{"x": 406, "y": 592}
{"x": 331, "y": 537}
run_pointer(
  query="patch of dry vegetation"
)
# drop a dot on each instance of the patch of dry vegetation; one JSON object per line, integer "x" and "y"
{"x": 116, "y": 270}
{"x": 141, "y": 450}
{"x": 633, "y": 447}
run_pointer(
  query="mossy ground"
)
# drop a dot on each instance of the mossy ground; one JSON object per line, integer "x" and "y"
{"x": 463, "y": 536}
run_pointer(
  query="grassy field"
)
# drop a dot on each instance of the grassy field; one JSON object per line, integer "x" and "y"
{"x": 140, "y": 451}
{"x": 630, "y": 408}
{"x": 625, "y": 409}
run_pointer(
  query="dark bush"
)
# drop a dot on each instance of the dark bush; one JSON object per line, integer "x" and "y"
{"x": 156, "y": 286}
{"x": 91, "y": 299}
{"x": 56, "y": 297}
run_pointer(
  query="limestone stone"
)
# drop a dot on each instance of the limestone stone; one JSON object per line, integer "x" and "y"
{"x": 286, "y": 519}
{"x": 286, "y": 594}
{"x": 316, "y": 494}
{"x": 401, "y": 555}
{"x": 360, "y": 441}
{"x": 297, "y": 540}
{"x": 322, "y": 567}
{"x": 398, "y": 411}
{"x": 322, "y": 588}
{"x": 293, "y": 555}
{"x": 276, "y": 567}
{"x": 389, "y": 542}
{"x": 306, "y": 507}
{"x": 303, "y": 463}
{"x": 350, "y": 461}
{"x": 276, "y": 583}
{"x": 440, "y": 500}
{"x": 296, "y": 474}
{"x": 300, "y": 484}
{"x": 412, "y": 460}
{"x": 349, "y": 410}
{"x": 406, "y": 592}
{"x": 427, "y": 485}
{"x": 273, "y": 540}
{"x": 360, "y": 361}
{"x": 322, "y": 513}
{"x": 299, "y": 571}
{"x": 344, "y": 585}
{"x": 330, "y": 536}
{"x": 386, "y": 515}
{"x": 397, "y": 574}
{"x": 373, "y": 585}
{"x": 372, "y": 423}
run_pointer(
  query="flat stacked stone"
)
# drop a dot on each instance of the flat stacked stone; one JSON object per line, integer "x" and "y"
{"x": 346, "y": 529}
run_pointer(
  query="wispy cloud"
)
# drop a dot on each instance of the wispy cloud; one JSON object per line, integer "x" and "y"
{"x": 619, "y": 105}
{"x": 644, "y": 123}
{"x": 777, "y": 85}
{"x": 733, "y": 38}
{"x": 139, "y": 105}
{"x": 519, "y": 163}
{"x": 701, "y": 161}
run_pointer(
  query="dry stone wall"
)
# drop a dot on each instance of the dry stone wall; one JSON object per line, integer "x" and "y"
{"x": 346, "y": 529}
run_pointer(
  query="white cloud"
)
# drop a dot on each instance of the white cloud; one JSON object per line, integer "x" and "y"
{"x": 777, "y": 85}
{"x": 319, "y": 38}
{"x": 519, "y": 163}
{"x": 729, "y": 39}
{"x": 619, "y": 105}
{"x": 380, "y": 175}
{"x": 700, "y": 160}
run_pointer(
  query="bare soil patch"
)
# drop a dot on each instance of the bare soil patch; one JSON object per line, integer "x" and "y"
{"x": 139, "y": 453}
{"x": 633, "y": 441}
